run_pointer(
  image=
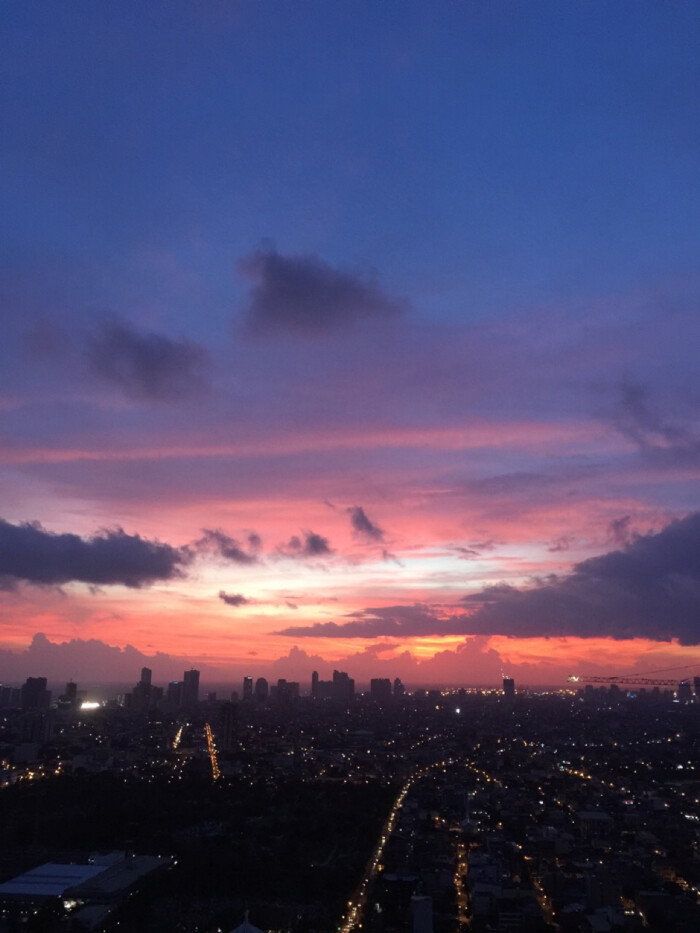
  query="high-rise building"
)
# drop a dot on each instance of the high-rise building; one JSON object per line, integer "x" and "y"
{"x": 190, "y": 689}
{"x": 247, "y": 688}
{"x": 508, "y": 688}
{"x": 685, "y": 694}
{"x": 262, "y": 690}
{"x": 380, "y": 689}
{"x": 146, "y": 674}
{"x": 343, "y": 687}
{"x": 227, "y": 729}
{"x": 34, "y": 694}
{"x": 399, "y": 689}
{"x": 174, "y": 695}
{"x": 314, "y": 684}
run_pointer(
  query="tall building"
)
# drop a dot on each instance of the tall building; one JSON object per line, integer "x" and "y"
{"x": 399, "y": 689}
{"x": 34, "y": 694}
{"x": 174, "y": 695}
{"x": 262, "y": 690}
{"x": 146, "y": 674}
{"x": 380, "y": 689}
{"x": 227, "y": 729}
{"x": 508, "y": 688}
{"x": 343, "y": 687}
{"x": 190, "y": 688}
{"x": 314, "y": 684}
{"x": 247, "y": 688}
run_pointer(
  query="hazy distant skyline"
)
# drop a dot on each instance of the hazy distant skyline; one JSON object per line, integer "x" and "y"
{"x": 351, "y": 334}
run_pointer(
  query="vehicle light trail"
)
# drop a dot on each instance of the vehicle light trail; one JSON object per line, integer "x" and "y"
{"x": 215, "y": 770}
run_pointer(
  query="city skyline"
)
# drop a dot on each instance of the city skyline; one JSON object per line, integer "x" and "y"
{"x": 350, "y": 336}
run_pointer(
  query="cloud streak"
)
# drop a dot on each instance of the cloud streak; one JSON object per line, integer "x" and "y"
{"x": 30, "y": 553}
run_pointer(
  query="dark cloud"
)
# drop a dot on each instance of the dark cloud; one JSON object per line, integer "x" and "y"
{"x": 232, "y": 599}
{"x": 254, "y": 541}
{"x": 619, "y": 530}
{"x": 146, "y": 365}
{"x": 361, "y": 525}
{"x": 665, "y": 443}
{"x": 397, "y": 621}
{"x": 216, "y": 541}
{"x": 648, "y": 589}
{"x": 304, "y": 295}
{"x": 310, "y": 545}
{"x": 28, "y": 552}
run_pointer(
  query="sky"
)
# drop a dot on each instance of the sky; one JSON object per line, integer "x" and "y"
{"x": 357, "y": 335}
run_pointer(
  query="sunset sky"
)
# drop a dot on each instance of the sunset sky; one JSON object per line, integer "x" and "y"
{"x": 358, "y": 334}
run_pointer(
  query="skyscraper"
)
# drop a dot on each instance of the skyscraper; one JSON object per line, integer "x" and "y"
{"x": 190, "y": 688}
{"x": 247, "y": 688}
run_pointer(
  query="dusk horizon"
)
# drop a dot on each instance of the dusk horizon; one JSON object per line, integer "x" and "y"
{"x": 358, "y": 336}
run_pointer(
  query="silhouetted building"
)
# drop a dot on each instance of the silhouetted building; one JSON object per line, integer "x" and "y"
{"x": 247, "y": 688}
{"x": 508, "y": 688}
{"x": 146, "y": 674}
{"x": 399, "y": 689}
{"x": 190, "y": 689}
{"x": 262, "y": 690}
{"x": 685, "y": 693}
{"x": 174, "y": 695}
{"x": 227, "y": 731}
{"x": 380, "y": 689}
{"x": 343, "y": 687}
{"x": 34, "y": 695}
{"x": 314, "y": 684}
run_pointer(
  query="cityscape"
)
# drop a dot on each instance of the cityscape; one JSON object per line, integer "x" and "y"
{"x": 349, "y": 466}
{"x": 317, "y": 807}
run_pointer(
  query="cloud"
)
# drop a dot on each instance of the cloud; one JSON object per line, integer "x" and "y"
{"x": 216, "y": 541}
{"x": 474, "y": 549}
{"x": 619, "y": 531}
{"x": 91, "y": 660}
{"x": 146, "y": 366}
{"x": 306, "y": 296}
{"x": 232, "y": 599}
{"x": 648, "y": 589}
{"x": 311, "y": 545}
{"x": 665, "y": 443}
{"x": 28, "y": 552}
{"x": 361, "y": 525}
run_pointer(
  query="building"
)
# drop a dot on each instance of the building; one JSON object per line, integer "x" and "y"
{"x": 380, "y": 689}
{"x": 34, "y": 695}
{"x": 247, "y": 688}
{"x": 227, "y": 728}
{"x": 190, "y": 689}
{"x": 508, "y": 688}
{"x": 343, "y": 687}
{"x": 262, "y": 690}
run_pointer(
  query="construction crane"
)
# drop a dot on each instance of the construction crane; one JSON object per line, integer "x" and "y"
{"x": 637, "y": 681}
{"x": 645, "y": 680}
